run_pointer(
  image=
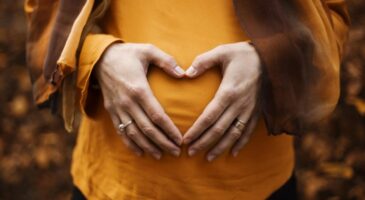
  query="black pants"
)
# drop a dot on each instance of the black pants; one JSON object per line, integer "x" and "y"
{"x": 287, "y": 192}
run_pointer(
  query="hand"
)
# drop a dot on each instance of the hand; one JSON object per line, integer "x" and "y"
{"x": 121, "y": 73}
{"x": 236, "y": 98}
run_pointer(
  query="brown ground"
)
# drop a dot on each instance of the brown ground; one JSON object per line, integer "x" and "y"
{"x": 35, "y": 152}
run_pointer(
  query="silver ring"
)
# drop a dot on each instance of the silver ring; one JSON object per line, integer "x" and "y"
{"x": 239, "y": 124}
{"x": 122, "y": 126}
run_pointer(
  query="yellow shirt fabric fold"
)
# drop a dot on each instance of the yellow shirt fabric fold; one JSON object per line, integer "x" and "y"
{"x": 103, "y": 168}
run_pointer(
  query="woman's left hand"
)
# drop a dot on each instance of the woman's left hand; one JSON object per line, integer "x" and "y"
{"x": 230, "y": 118}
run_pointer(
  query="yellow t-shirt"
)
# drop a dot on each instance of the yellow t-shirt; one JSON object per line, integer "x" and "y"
{"x": 103, "y": 168}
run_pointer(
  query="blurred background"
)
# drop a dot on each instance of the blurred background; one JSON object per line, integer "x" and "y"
{"x": 35, "y": 151}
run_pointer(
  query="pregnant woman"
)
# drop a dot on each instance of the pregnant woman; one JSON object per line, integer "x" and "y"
{"x": 172, "y": 92}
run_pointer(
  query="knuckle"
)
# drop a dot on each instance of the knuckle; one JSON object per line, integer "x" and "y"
{"x": 136, "y": 91}
{"x": 244, "y": 105}
{"x": 208, "y": 120}
{"x": 132, "y": 134}
{"x": 124, "y": 103}
{"x": 157, "y": 118}
{"x": 199, "y": 60}
{"x": 108, "y": 106}
{"x": 147, "y": 130}
{"x": 221, "y": 105}
{"x": 230, "y": 94}
{"x": 170, "y": 60}
{"x": 199, "y": 147}
{"x": 235, "y": 135}
{"x": 218, "y": 130}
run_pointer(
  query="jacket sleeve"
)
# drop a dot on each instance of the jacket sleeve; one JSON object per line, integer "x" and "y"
{"x": 300, "y": 44}
{"x": 41, "y": 17}
{"x": 56, "y": 31}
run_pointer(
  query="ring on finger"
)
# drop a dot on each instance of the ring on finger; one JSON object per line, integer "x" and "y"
{"x": 239, "y": 124}
{"x": 122, "y": 126}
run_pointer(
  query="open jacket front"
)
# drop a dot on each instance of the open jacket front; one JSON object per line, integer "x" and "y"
{"x": 300, "y": 43}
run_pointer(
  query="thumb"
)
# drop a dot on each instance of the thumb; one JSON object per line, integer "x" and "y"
{"x": 203, "y": 62}
{"x": 164, "y": 61}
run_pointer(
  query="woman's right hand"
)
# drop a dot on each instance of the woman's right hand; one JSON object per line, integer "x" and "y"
{"x": 121, "y": 73}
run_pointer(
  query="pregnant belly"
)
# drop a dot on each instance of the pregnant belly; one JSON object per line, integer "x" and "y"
{"x": 184, "y": 99}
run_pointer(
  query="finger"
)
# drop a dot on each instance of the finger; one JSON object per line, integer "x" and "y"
{"x": 247, "y": 135}
{"x": 232, "y": 135}
{"x": 203, "y": 62}
{"x": 143, "y": 142}
{"x": 133, "y": 133}
{"x": 149, "y": 130}
{"x": 211, "y": 113}
{"x": 158, "y": 116}
{"x": 213, "y": 134}
{"x": 126, "y": 140}
{"x": 164, "y": 61}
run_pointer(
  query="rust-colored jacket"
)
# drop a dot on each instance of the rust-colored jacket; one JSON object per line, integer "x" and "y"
{"x": 300, "y": 43}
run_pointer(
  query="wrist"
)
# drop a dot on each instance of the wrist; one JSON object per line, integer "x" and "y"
{"x": 257, "y": 56}
{"x": 105, "y": 58}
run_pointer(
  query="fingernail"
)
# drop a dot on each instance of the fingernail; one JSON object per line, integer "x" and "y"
{"x": 179, "y": 71}
{"x": 191, "y": 152}
{"x": 235, "y": 154}
{"x": 210, "y": 158}
{"x": 176, "y": 153}
{"x": 191, "y": 71}
{"x": 139, "y": 154}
